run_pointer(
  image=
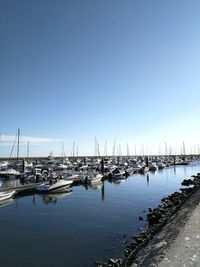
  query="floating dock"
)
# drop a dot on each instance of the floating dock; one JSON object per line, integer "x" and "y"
{"x": 23, "y": 189}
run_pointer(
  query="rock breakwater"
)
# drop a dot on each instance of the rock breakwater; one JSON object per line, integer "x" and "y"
{"x": 157, "y": 219}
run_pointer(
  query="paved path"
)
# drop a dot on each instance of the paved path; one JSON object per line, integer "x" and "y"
{"x": 185, "y": 251}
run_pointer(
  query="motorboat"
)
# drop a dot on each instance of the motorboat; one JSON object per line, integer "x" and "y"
{"x": 160, "y": 165}
{"x": 137, "y": 167}
{"x": 5, "y": 195}
{"x": 60, "y": 167}
{"x": 8, "y": 172}
{"x": 93, "y": 178}
{"x": 74, "y": 176}
{"x": 153, "y": 166}
{"x": 119, "y": 174}
{"x": 143, "y": 170}
{"x": 130, "y": 170}
{"x": 60, "y": 186}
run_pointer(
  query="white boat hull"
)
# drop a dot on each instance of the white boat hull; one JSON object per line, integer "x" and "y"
{"x": 6, "y": 195}
{"x": 59, "y": 187}
{"x": 94, "y": 179}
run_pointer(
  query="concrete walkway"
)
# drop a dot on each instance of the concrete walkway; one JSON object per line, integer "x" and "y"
{"x": 185, "y": 250}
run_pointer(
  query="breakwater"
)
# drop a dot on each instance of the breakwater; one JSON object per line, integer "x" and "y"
{"x": 158, "y": 218}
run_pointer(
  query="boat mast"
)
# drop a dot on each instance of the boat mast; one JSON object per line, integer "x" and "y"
{"x": 18, "y": 133}
{"x": 165, "y": 149}
{"x": 183, "y": 148}
{"x": 62, "y": 153}
{"x": 27, "y": 150}
{"x": 95, "y": 147}
{"x": 127, "y": 148}
{"x": 98, "y": 150}
{"x": 77, "y": 151}
{"x": 114, "y": 149}
{"x": 105, "y": 149}
{"x": 73, "y": 153}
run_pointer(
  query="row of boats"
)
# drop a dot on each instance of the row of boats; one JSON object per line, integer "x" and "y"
{"x": 57, "y": 176}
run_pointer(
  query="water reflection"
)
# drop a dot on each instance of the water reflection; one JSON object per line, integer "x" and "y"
{"x": 103, "y": 192}
{"x": 95, "y": 186}
{"x": 185, "y": 171}
{"x": 175, "y": 169}
{"x": 33, "y": 200}
{"x": 118, "y": 181}
{"x": 147, "y": 179}
{"x": 54, "y": 198}
{"x": 6, "y": 202}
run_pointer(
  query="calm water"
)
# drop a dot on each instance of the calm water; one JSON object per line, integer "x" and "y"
{"x": 77, "y": 229}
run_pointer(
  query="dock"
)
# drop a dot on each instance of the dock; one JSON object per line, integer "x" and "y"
{"x": 23, "y": 189}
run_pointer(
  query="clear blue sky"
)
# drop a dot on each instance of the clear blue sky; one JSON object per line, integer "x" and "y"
{"x": 125, "y": 70}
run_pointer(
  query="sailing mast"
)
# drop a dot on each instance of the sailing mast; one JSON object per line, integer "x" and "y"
{"x": 127, "y": 148}
{"x": 114, "y": 149}
{"x": 98, "y": 150}
{"x": 27, "y": 150}
{"x": 77, "y": 151}
{"x": 73, "y": 149}
{"x": 18, "y": 133}
{"x": 95, "y": 147}
{"x": 105, "y": 149}
{"x": 183, "y": 148}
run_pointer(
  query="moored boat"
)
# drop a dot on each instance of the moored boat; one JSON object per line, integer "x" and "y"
{"x": 93, "y": 178}
{"x": 153, "y": 166}
{"x": 160, "y": 165}
{"x": 8, "y": 172}
{"x": 119, "y": 174}
{"x": 5, "y": 195}
{"x": 60, "y": 186}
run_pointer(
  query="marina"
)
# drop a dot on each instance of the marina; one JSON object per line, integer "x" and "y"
{"x": 93, "y": 220}
{"x": 99, "y": 137}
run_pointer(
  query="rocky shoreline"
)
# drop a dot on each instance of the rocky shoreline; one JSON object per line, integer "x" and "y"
{"x": 164, "y": 223}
